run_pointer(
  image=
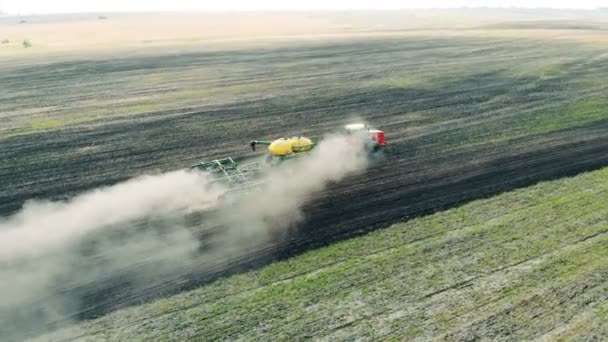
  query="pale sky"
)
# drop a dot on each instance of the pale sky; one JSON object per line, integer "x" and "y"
{"x": 71, "y": 6}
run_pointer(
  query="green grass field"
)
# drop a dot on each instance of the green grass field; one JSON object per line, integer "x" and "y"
{"x": 526, "y": 264}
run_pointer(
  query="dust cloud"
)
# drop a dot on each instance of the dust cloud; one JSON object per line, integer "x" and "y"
{"x": 287, "y": 188}
{"x": 42, "y": 225}
{"x": 50, "y": 248}
{"x": 137, "y": 235}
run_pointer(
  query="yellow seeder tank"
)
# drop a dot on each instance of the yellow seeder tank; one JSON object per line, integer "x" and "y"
{"x": 285, "y": 146}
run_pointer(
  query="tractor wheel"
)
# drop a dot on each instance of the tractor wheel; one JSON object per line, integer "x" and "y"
{"x": 376, "y": 156}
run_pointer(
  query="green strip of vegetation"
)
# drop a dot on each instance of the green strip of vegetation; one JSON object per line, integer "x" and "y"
{"x": 576, "y": 114}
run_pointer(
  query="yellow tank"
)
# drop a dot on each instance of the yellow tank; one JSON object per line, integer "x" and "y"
{"x": 280, "y": 147}
{"x": 285, "y": 146}
{"x": 301, "y": 144}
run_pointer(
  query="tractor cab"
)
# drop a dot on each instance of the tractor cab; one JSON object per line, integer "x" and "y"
{"x": 377, "y": 136}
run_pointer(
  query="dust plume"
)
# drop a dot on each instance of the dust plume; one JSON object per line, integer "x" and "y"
{"x": 114, "y": 245}
{"x": 49, "y": 249}
{"x": 264, "y": 214}
{"x": 43, "y": 225}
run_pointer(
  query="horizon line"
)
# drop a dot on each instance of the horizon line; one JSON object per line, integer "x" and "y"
{"x": 207, "y": 11}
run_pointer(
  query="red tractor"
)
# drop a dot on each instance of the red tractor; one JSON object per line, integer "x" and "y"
{"x": 377, "y": 140}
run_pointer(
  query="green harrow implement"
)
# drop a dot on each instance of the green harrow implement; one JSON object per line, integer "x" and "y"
{"x": 232, "y": 175}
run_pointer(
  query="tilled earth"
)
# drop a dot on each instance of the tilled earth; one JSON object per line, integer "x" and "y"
{"x": 465, "y": 119}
